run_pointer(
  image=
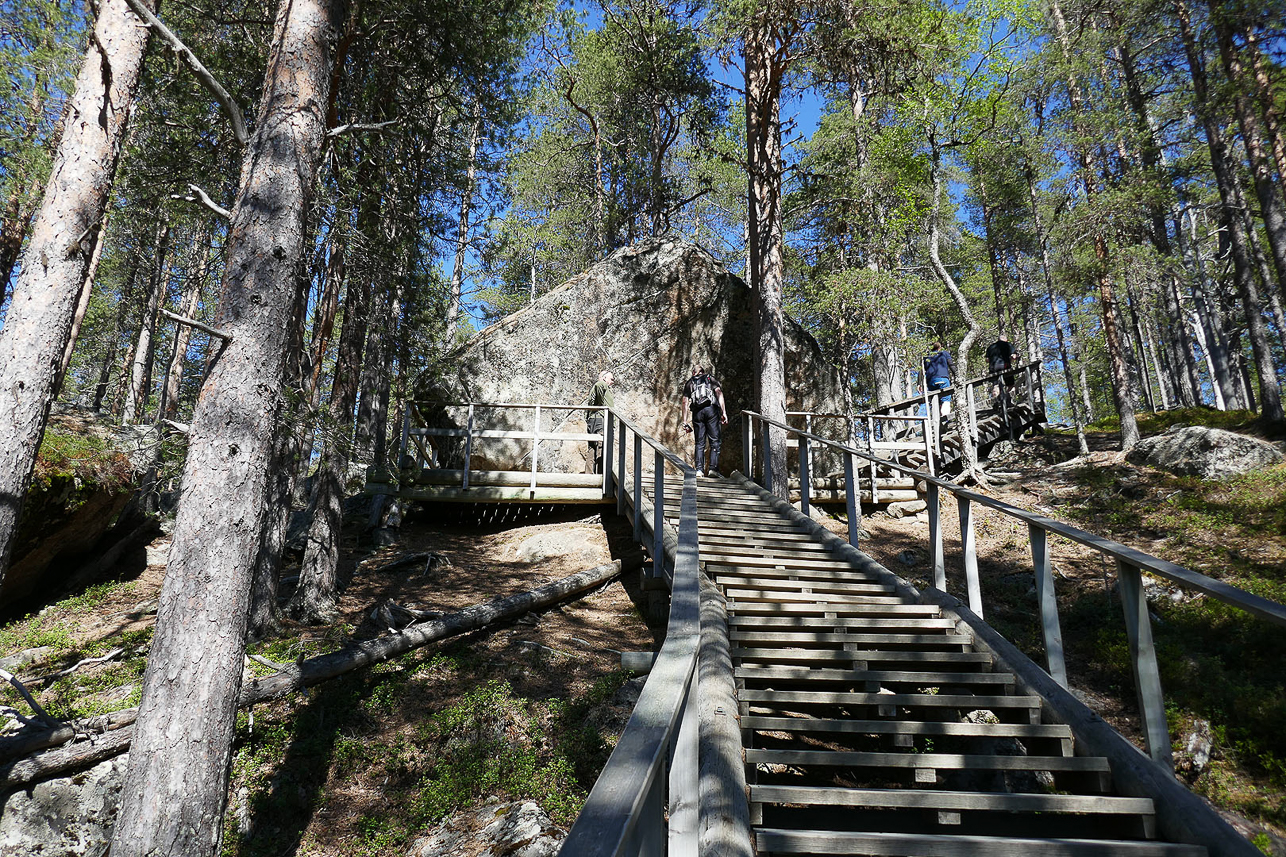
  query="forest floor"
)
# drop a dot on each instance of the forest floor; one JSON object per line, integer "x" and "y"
{"x": 368, "y": 763}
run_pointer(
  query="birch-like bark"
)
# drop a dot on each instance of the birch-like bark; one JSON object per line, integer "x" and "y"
{"x": 1273, "y": 127}
{"x": 1208, "y": 330}
{"x": 175, "y": 787}
{"x": 58, "y": 251}
{"x": 139, "y": 388}
{"x": 82, "y": 304}
{"x": 169, "y": 407}
{"x": 969, "y": 440}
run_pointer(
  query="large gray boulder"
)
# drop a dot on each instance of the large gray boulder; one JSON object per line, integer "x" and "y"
{"x": 1208, "y": 453}
{"x": 647, "y": 313}
{"x": 65, "y": 817}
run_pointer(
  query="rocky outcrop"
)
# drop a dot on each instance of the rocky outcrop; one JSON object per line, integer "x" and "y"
{"x": 1208, "y": 453}
{"x": 66, "y": 817}
{"x": 648, "y": 313}
{"x": 518, "y": 829}
{"x": 85, "y": 475}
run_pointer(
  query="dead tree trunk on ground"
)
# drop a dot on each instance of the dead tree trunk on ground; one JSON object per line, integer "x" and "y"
{"x": 23, "y": 768}
{"x": 58, "y": 251}
{"x": 175, "y": 787}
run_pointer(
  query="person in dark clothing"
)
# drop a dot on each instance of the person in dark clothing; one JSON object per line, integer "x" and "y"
{"x": 703, "y": 397}
{"x": 938, "y": 368}
{"x": 599, "y": 396}
{"x": 1000, "y": 358}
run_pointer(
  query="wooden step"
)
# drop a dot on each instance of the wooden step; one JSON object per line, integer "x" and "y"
{"x": 928, "y": 761}
{"x": 1005, "y": 681}
{"x": 898, "y": 608}
{"x": 852, "y": 575}
{"x": 820, "y": 637}
{"x": 743, "y": 561}
{"x": 922, "y": 728}
{"x": 953, "y": 701}
{"x": 753, "y": 536}
{"x": 951, "y": 801}
{"x": 809, "y": 656}
{"x": 848, "y": 618}
{"x": 788, "y": 599}
{"x": 776, "y": 841}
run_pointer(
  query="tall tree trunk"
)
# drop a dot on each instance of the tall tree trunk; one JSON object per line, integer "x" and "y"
{"x": 766, "y": 60}
{"x": 372, "y": 412}
{"x": 1233, "y": 205}
{"x": 1273, "y": 130}
{"x": 144, "y": 352}
{"x": 462, "y": 228}
{"x": 1121, "y": 392}
{"x": 1042, "y": 242}
{"x": 969, "y": 438}
{"x": 175, "y": 787}
{"x": 315, "y": 597}
{"x": 1209, "y": 331}
{"x": 39, "y": 320}
{"x": 1141, "y": 365}
{"x": 1271, "y": 207}
{"x": 82, "y": 304}
{"x": 197, "y": 270}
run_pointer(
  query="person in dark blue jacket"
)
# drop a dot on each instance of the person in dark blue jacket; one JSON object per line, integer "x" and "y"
{"x": 938, "y": 368}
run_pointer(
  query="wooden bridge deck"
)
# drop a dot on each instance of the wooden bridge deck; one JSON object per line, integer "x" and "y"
{"x": 872, "y": 725}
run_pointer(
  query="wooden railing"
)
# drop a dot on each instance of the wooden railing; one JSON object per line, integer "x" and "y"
{"x": 645, "y": 801}
{"x": 1130, "y": 564}
{"x": 473, "y": 430}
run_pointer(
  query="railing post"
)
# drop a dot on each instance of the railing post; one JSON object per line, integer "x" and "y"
{"x": 937, "y": 557}
{"x": 620, "y": 471}
{"x": 1031, "y": 388}
{"x": 853, "y": 499}
{"x": 928, "y": 445}
{"x": 684, "y": 803}
{"x": 765, "y": 458}
{"x": 649, "y": 832}
{"x": 607, "y": 450}
{"x": 808, "y": 427}
{"x": 468, "y": 448}
{"x": 971, "y": 427}
{"x": 747, "y": 445}
{"x": 658, "y": 517}
{"x": 970, "y": 548}
{"x": 535, "y": 448}
{"x": 401, "y": 449}
{"x": 1147, "y": 678}
{"x": 804, "y": 474}
{"x": 1044, "y": 568}
{"x": 870, "y": 447}
{"x": 638, "y": 487}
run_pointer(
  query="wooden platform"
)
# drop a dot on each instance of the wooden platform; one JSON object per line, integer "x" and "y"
{"x": 498, "y": 486}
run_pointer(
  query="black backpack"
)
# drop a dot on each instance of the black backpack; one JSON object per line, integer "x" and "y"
{"x": 702, "y": 392}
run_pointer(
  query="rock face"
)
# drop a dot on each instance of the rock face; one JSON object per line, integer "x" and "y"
{"x": 66, "y": 817}
{"x": 1208, "y": 453}
{"x": 647, "y": 313}
{"x": 493, "y": 830}
{"x": 74, "y": 500}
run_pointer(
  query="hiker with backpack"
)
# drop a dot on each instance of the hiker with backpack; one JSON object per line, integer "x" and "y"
{"x": 703, "y": 397}
{"x": 599, "y": 396}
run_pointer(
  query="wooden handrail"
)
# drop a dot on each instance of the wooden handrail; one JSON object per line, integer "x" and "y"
{"x": 1130, "y": 565}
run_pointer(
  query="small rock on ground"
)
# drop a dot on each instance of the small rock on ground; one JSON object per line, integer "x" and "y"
{"x": 517, "y": 829}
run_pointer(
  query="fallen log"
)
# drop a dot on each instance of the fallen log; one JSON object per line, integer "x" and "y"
{"x": 21, "y": 770}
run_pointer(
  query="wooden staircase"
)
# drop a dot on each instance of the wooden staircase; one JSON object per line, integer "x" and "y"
{"x": 870, "y": 724}
{"x": 992, "y": 427}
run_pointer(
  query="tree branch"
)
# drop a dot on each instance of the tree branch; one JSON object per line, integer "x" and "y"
{"x": 202, "y": 73}
{"x": 352, "y": 128}
{"x": 202, "y": 197}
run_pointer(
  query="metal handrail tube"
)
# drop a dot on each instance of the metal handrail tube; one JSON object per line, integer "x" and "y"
{"x": 658, "y": 747}
{"x": 1251, "y": 603}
